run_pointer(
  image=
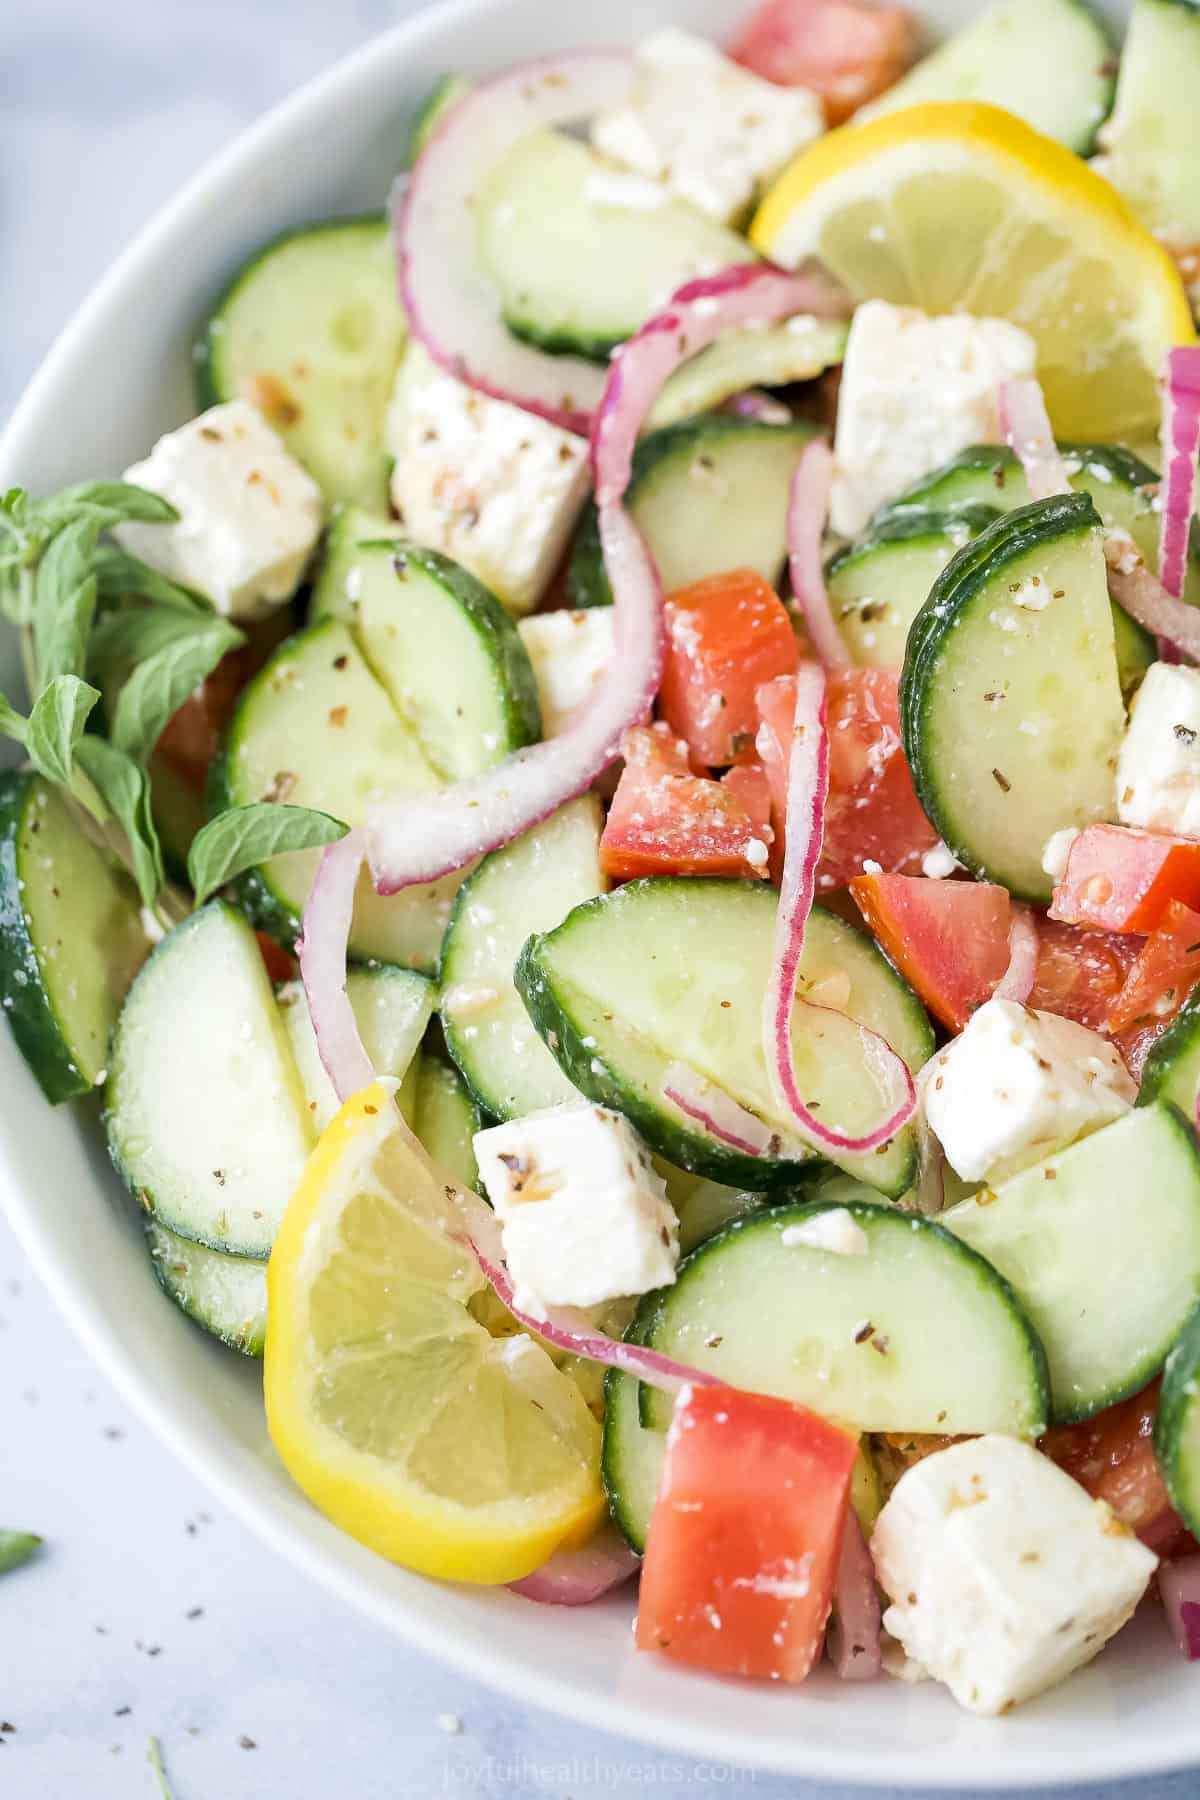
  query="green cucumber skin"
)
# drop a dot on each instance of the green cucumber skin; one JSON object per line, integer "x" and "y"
{"x": 1169, "y": 1060}
{"x": 498, "y": 634}
{"x": 587, "y": 582}
{"x": 246, "y": 1345}
{"x": 1177, "y": 1403}
{"x": 27, "y": 1003}
{"x": 913, "y": 523}
{"x": 617, "y": 1385}
{"x": 954, "y": 591}
{"x": 446, "y": 92}
{"x": 561, "y": 343}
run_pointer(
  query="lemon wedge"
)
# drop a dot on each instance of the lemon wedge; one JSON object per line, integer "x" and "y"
{"x": 964, "y": 208}
{"x": 439, "y": 1446}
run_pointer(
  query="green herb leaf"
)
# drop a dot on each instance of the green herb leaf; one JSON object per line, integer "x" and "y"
{"x": 154, "y": 1758}
{"x": 56, "y": 726}
{"x": 16, "y": 1547}
{"x": 124, "y": 787}
{"x": 110, "y": 502}
{"x": 120, "y": 576}
{"x": 161, "y": 683}
{"x": 244, "y": 836}
{"x": 65, "y": 601}
{"x": 12, "y": 723}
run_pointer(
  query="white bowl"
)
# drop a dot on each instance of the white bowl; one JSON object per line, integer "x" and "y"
{"x": 119, "y": 375}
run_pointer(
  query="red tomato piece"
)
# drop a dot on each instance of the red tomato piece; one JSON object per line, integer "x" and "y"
{"x": 666, "y": 821}
{"x": 1166, "y": 971}
{"x": 743, "y": 1546}
{"x": 725, "y": 637}
{"x": 192, "y": 736}
{"x": 1120, "y": 879}
{"x": 848, "y": 51}
{"x": 949, "y": 939}
{"x": 1080, "y": 973}
{"x": 1112, "y": 1456}
{"x": 280, "y": 966}
{"x": 872, "y": 814}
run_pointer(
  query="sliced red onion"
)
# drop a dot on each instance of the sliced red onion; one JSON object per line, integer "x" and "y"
{"x": 808, "y": 789}
{"x": 1179, "y": 1590}
{"x": 424, "y": 836}
{"x": 853, "y": 1640}
{"x": 1132, "y": 585}
{"x": 452, "y": 306}
{"x": 577, "y": 1577}
{"x": 1025, "y": 426}
{"x": 756, "y": 403}
{"x": 1181, "y": 446}
{"x": 322, "y": 953}
{"x": 699, "y": 313}
{"x": 1017, "y": 981}
{"x": 808, "y": 512}
{"x": 721, "y": 1117}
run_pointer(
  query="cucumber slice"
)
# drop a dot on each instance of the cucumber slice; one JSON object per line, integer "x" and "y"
{"x": 419, "y": 617}
{"x": 1123, "y": 489}
{"x": 338, "y": 583}
{"x": 207, "y": 1121}
{"x": 1010, "y": 701}
{"x": 445, "y": 92}
{"x": 227, "y": 1295}
{"x": 799, "y": 349}
{"x": 878, "y": 585}
{"x": 1149, "y": 143}
{"x": 631, "y": 1454}
{"x": 530, "y": 885}
{"x": 310, "y": 330}
{"x": 1172, "y": 1069}
{"x": 71, "y": 938}
{"x": 446, "y": 1119}
{"x": 617, "y": 1004}
{"x": 708, "y": 1208}
{"x": 582, "y": 252}
{"x": 708, "y": 495}
{"x": 1068, "y": 1233}
{"x": 1048, "y": 61}
{"x": 392, "y": 1007}
{"x": 1177, "y": 1425}
{"x": 315, "y": 727}
{"x": 949, "y": 1348}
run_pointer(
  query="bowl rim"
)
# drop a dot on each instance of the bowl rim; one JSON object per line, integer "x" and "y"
{"x": 899, "y": 1766}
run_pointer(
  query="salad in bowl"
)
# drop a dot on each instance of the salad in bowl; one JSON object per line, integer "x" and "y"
{"x": 616, "y": 820}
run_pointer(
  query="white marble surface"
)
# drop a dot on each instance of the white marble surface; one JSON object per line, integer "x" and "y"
{"x": 149, "y": 1611}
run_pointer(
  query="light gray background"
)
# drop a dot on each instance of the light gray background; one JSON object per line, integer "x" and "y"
{"x": 150, "y": 1611}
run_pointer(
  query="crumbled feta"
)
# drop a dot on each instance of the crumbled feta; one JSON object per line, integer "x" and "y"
{"x": 249, "y": 515}
{"x": 939, "y": 863}
{"x": 583, "y": 1215}
{"x": 836, "y": 1230}
{"x": 1017, "y": 1085}
{"x": 712, "y": 131}
{"x": 915, "y": 391}
{"x": 570, "y": 652}
{"x": 484, "y": 482}
{"x": 1158, "y": 770}
{"x": 1004, "y": 1574}
{"x": 1057, "y": 852}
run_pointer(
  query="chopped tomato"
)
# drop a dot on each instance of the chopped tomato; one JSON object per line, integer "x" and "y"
{"x": 873, "y": 814}
{"x": 847, "y": 51}
{"x": 725, "y": 637}
{"x": 666, "y": 821}
{"x": 743, "y": 1546}
{"x": 1112, "y": 1456}
{"x": 1166, "y": 971}
{"x": 949, "y": 939}
{"x": 1080, "y": 973}
{"x": 280, "y": 966}
{"x": 1120, "y": 879}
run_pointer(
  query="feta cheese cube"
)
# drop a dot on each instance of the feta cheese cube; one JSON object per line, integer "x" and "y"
{"x": 837, "y": 1231}
{"x": 1056, "y": 853}
{"x": 710, "y": 129}
{"x": 1016, "y": 1085}
{"x": 249, "y": 515}
{"x": 1158, "y": 769}
{"x": 570, "y": 652}
{"x": 583, "y": 1215}
{"x": 915, "y": 391}
{"x": 1004, "y": 1574}
{"x": 484, "y": 482}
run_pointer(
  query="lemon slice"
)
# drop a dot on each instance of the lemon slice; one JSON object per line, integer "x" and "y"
{"x": 401, "y": 1417}
{"x": 964, "y": 208}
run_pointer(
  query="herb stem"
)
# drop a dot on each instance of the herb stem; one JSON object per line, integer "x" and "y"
{"x": 154, "y": 1758}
